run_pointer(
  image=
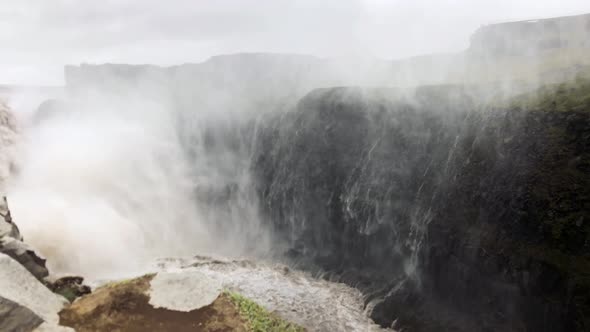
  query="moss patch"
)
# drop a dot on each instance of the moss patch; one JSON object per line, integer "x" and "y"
{"x": 258, "y": 318}
{"x": 68, "y": 293}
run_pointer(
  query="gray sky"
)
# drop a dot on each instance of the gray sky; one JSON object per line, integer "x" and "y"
{"x": 38, "y": 37}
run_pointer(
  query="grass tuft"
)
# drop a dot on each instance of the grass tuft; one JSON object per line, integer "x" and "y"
{"x": 258, "y": 318}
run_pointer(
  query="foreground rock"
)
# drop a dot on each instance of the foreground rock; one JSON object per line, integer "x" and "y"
{"x": 11, "y": 244}
{"x": 26, "y": 298}
{"x": 15, "y": 317}
{"x": 69, "y": 287}
{"x": 187, "y": 301}
{"x": 25, "y": 303}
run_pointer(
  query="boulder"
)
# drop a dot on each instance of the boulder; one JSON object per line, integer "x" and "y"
{"x": 33, "y": 299}
{"x": 183, "y": 291}
{"x": 15, "y": 317}
{"x": 70, "y": 287}
{"x": 11, "y": 244}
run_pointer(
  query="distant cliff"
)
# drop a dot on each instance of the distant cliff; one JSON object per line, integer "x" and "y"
{"x": 529, "y": 38}
{"x": 258, "y": 76}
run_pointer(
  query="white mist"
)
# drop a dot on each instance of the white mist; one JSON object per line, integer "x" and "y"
{"x": 103, "y": 187}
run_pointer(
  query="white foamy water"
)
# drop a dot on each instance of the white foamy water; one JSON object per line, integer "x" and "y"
{"x": 105, "y": 185}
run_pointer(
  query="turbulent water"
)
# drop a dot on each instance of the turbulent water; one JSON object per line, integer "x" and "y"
{"x": 111, "y": 186}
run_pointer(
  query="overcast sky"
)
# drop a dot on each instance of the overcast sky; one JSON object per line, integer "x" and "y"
{"x": 38, "y": 37}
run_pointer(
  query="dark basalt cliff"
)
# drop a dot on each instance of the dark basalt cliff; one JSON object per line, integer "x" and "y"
{"x": 460, "y": 218}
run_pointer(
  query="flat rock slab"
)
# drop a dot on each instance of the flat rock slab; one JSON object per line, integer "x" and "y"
{"x": 183, "y": 291}
{"x": 20, "y": 286}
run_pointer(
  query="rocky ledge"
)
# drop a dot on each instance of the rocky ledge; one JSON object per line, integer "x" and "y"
{"x": 185, "y": 301}
{"x": 181, "y": 301}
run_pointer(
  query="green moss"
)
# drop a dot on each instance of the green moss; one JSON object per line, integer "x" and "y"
{"x": 258, "y": 318}
{"x": 68, "y": 293}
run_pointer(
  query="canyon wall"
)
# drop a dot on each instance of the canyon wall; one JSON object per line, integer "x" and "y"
{"x": 457, "y": 217}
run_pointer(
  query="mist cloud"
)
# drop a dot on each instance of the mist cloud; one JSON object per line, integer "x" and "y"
{"x": 39, "y": 37}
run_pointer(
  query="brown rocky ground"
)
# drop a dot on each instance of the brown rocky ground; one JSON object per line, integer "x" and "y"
{"x": 124, "y": 306}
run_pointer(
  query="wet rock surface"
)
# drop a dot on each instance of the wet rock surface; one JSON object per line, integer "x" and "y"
{"x": 11, "y": 244}
{"x": 449, "y": 216}
{"x": 70, "y": 287}
{"x": 179, "y": 301}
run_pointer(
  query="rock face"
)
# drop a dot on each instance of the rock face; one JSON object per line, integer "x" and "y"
{"x": 11, "y": 244}
{"x": 11, "y": 241}
{"x": 8, "y": 137}
{"x": 533, "y": 36}
{"x": 69, "y": 287}
{"x": 454, "y": 218}
{"x": 19, "y": 286}
{"x": 14, "y": 317}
